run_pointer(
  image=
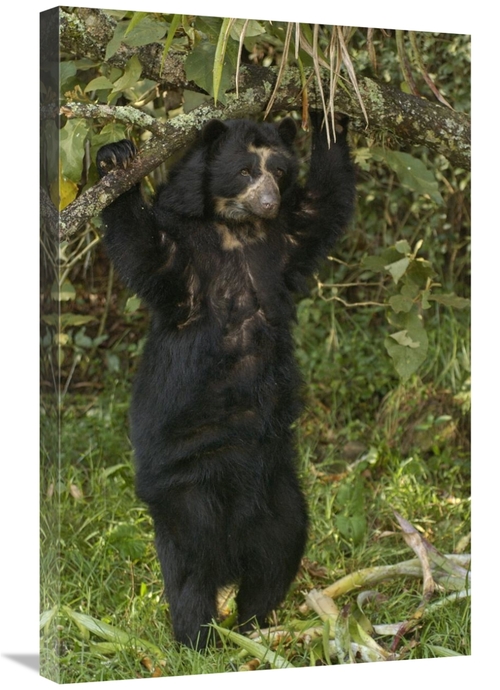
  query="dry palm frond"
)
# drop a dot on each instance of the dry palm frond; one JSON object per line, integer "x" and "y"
{"x": 316, "y": 61}
{"x": 308, "y": 40}
{"x": 423, "y": 71}
{"x": 284, "y": 59}
{"x": 346, "y": 60}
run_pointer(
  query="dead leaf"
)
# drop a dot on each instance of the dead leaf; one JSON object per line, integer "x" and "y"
{"x": 76, "y": 492}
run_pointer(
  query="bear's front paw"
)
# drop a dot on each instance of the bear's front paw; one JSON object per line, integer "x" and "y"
{"x": 117, "y": 155}
{"x": 341, "y": 122}
{"x": 317, "y": 120}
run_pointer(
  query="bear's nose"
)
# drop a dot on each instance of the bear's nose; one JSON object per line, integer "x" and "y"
{"x": 269, "y": 204}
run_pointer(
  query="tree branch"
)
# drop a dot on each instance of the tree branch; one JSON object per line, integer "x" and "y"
{"x": 406, "y": 119}
{"x": 409, "y": 119}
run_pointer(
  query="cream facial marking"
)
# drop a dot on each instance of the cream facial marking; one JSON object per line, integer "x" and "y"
{"x": 263, "y": 154}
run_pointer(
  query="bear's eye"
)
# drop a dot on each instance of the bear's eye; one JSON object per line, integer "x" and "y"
{"x": 245, "y": 172}
{"x": 279, "y": 172}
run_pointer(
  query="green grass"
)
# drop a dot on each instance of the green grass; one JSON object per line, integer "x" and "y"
{"x": 367, "y": 447}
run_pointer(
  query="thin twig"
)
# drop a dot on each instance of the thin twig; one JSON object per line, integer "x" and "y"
{"x": 351, "y": 304}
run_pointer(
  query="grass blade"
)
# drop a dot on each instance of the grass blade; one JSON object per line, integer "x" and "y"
{"x": 442, "y": 651}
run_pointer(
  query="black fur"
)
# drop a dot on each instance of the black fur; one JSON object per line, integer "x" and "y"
{"x": 217, "y": 258}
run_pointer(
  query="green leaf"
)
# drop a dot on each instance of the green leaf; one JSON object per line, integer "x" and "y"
{"x": 253, "y": 28}
{"x": 363, "y": 157}
{"x": 116, "y": 41}
{"x": 112, "y": 361}
{"x": 408, "y": 347}
{"x": 398, "y": 268}
{"x": 400, "y": 303}
{"x": 351, "y": 527}
{"x": 403, "y": 247}
{"x": 410, "y": 290}
{"x": 425, "y": 299}
{"x": 66, "y": 319}
{"x": 130, "y": 77}
{"x": 149, "y": 30}
{"x": 134, "y": 21}
{"x": 199, "y": 67}
{"x": 350, "y": 520}
{"x": 75, "y": 320}
{"x": 113, "y": 131}
{"x": 72, "y": 148}
{"x": 99, "y": 83}
{"x": 412, "y": 173}
{"x": 132, "y": 304}
{"x": 67, "y": 70}
{"x": 220, "y": 54}
{"x": 64, "y": 292}
{"x": 451, "y": 300}
{"x": 51, "y": 319}
{"x": 419, "y": 272}
{"x": 406, "y": 361}
{"x": 374, "y": 263}
{"x": 82, "y": 340}
{"x": 378, "y": 264}
{"x": 176, "y": 20}
{"x": 403, "y": 338}
{"x": 210, "y": 27}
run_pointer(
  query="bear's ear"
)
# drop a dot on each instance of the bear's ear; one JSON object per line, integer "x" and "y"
{"x": 212, "y": 131}
{"x": 287, "y": 130}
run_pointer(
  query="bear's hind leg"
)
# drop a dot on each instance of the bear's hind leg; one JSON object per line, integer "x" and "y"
{"x": 187, "y": 535}
{"x": 191, "y": 592}
{"x": 273, "y": 551}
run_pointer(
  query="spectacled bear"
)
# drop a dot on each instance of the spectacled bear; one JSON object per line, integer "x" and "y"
{"x": 217, "y": 258}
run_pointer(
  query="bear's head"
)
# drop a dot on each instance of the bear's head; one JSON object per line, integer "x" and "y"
{"x": 249, "y": 168}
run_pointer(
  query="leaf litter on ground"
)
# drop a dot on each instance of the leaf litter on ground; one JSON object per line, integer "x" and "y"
{"x": 351, "y": 635}
{"x": 342, "y": 635}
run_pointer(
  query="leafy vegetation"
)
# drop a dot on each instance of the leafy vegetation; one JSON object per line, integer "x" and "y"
{"x": 382, "y": 340}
